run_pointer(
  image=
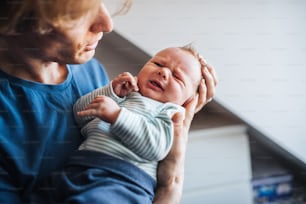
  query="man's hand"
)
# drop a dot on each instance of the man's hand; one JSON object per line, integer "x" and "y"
{"x": 170, "y": 173}
{"x": 207, "y": 85}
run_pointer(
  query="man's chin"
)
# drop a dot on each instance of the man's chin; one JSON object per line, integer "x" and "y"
{"x": 85, "y": 57}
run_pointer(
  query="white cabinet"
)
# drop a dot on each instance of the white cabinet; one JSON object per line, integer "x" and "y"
{"x": 218, "y": 167}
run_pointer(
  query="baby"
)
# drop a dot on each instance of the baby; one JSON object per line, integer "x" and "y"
{"x": 128, "y": 129}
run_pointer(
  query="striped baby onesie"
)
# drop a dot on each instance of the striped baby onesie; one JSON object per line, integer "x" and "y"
{"x": 142, "y": 134}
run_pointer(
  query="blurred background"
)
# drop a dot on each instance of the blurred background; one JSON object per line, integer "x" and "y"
{"x": 248, "y": 145}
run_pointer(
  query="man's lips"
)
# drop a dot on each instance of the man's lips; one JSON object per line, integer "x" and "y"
{"x": 91, "y": 46}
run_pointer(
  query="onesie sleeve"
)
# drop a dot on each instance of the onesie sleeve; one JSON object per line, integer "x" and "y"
{"x": 83, "y": 101}
{"x": 150, "y": 137}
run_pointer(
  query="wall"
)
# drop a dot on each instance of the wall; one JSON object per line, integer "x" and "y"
{"x": 258, "y": 48}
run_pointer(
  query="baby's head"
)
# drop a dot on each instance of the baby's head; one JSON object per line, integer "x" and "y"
{"x": 172, "y": 75}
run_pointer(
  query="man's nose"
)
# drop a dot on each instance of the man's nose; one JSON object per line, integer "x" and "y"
{"x": 103, "y": 21}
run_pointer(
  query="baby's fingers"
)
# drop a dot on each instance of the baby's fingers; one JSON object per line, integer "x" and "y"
{"x": 130, "y": 82}
{"x": 87, "y": 112}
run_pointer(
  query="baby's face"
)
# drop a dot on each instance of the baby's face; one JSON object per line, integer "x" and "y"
{"x": 172, "y": 75}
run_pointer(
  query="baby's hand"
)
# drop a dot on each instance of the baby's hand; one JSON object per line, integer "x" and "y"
{"x": 124, "y": 84}
{"x": 102, "y": 107}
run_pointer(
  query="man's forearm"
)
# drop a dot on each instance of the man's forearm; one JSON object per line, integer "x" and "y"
{"x": 169, "y": 189}
{"x": 170, "y": 174}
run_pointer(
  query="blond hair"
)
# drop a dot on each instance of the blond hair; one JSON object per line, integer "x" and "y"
{"x": 17, "y": 16}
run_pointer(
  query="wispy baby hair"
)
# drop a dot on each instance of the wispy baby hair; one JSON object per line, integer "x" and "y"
{"x": 191, "y": 49}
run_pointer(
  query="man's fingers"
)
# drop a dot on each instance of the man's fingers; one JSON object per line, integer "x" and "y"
{"x": 177, "y": 118}
{"x": 190, "y": 109}
{"x": 210, "y": 82}
{"x": 212, "y": 72}
{"x": 202, "y": 96}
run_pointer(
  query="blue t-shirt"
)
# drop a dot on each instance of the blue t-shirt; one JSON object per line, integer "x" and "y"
{"x": 37, "y": 127}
